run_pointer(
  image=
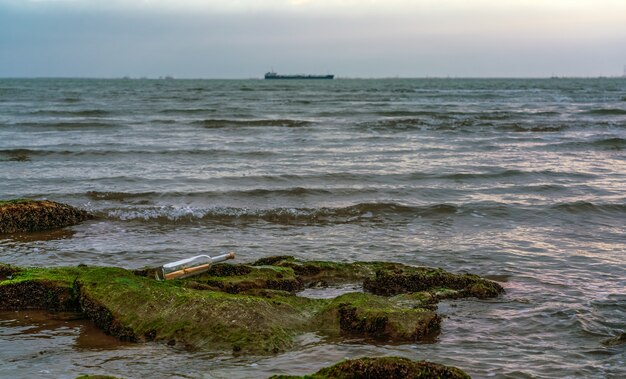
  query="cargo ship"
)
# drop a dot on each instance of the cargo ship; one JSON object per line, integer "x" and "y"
{"x": 273, "y": 75}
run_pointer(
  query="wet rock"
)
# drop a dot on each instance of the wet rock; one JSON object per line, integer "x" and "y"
{"x": 135, "y": 308}
{"x": 25, "y": 289}
{"x": 315, "y": 273}
{"x": 385, "y": 368}
{"x": 379, "y": 318}
{"x": 242, "y": 278}
{"x": 406, "y": 279}
{"x": 35, "y": 215}
{"x": 273, "y": 260}
{"x": 104, "y": 318}
{"x": 97, "y": 377}
{"x": 6, "y": 271}
{"x": 242, "y": 308}
{"x": 38, "y": 294}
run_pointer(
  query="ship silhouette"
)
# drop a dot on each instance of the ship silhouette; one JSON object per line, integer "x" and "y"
{"x": 274, "y": 75}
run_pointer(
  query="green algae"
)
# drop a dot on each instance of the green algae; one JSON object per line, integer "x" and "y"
{"x": 404, "y": 279}
{"x": 23, "y": 215}
{"x": 375, "y": 317}
{"x": 240, "y": 278}
{"x": 135, "y": 308}
{"x": 384, "y": 367}
{"x": 325, "y": 273}
{"x": 243, "y": 308}
{"x": 13, "y": 201}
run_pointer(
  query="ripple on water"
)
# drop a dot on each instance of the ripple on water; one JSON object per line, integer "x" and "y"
{"x": 521, "y": 180}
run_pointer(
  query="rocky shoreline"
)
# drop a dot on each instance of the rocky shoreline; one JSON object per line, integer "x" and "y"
{"x": 246, "y": 308}
{"x": 249, "y": 308}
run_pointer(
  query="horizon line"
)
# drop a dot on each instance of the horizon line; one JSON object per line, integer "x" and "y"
{"x": 170, "y": 77}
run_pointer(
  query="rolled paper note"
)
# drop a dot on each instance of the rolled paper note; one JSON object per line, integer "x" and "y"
{"x": 192, "y": 266}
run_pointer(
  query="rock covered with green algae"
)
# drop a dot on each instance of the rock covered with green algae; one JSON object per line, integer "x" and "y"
{"x": 388, "y": 279}
{"x": 397, "y": 319}
{"x": 369, "y": 368}
{"x": 244, "y": 308}
{"x": 405, "y": 279}
{"x": 384, "y": 368}
{"x": 23, "y": 215}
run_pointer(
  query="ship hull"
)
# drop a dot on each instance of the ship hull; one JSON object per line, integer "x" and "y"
{"x": 273, "y": 77}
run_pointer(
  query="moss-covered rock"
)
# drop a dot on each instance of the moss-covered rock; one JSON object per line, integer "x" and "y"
{"x": 404, "y": 279}
{"x": 6, "y": 271}
{"x": 247, "y": 309}
{"x": 135, "y": 308}
{"x": 23, "y": 215}
{"x": 369, "y": 368}
{"x": 380, "y": 318}
{"x": 242, "y": 278}
{"x": 384, "y": 368}
{"x": 327, "y": 273}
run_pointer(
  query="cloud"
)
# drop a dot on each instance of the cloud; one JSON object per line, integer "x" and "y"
{"x": 245, "y": 38}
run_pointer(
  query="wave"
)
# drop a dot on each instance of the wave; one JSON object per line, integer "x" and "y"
{"x": 606, "y": 112}
{"x": 349, "y": 178}
{"x": 16, "y": 155}
{"x": 522, "y": 128}
{"x": 257, "y": 192}
{"x": 223, "y": 123}
{"x": 196, "y": 89}
{"x": 79, "y": 113}
{"x": 614, "y": 143}
{"x": 396, "y": 123}
{"x": 425, "y": 124}
{"x": 177, "y": 111}
{"x": 359, "y": 213}
{"x": 587, "y": 207}
{"x": 29, "y": 154}
{"x": 543, "y": 113}
{"x": 499, "y": 174}
{"x": 107, "y": 152}
{"x": 67, "y": 124}
{"x": 430, "y": 114}
{"x": 295, "y": 191}
{"x": 512, "y": 174}
{"x": 362, "y": 213}
{"x": 470, "y": 124}
{"x": 117, "y": 196}
{"x": 433, "y": 122}
{"x": 360, "y": 178}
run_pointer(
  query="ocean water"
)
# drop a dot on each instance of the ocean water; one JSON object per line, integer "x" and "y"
{"x": 519, "y": 180}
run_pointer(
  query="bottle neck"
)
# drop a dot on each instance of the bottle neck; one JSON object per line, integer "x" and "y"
{"x": 223, "y": 257}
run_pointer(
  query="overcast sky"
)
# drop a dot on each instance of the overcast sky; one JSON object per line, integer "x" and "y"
{"x": 349, "y": 38}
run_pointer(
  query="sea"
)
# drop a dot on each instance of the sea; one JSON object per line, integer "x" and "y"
{"x": 522, "y": 181}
